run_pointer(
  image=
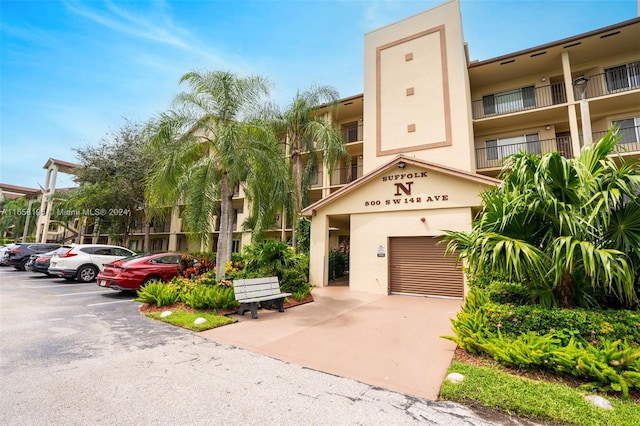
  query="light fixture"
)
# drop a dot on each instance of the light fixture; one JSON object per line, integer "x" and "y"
{"x": 580, "y": 80}
{"x": 548, "y": 127}
{"x": 543, "y": 79}
{"x": 401, "y": 165}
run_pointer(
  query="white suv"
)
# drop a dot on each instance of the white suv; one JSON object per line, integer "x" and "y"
{"x": 84, "y": 261}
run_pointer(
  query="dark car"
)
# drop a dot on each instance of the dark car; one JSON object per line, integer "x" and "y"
{"x": 131, "y": 273}
{"x": 19, "y": 255}
{"x": 40, "y": 262}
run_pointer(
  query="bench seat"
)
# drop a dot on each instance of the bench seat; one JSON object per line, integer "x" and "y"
{"x": 254, "y": 292}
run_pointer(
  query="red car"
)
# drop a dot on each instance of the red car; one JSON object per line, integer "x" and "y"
{"x": 131, "y": 273}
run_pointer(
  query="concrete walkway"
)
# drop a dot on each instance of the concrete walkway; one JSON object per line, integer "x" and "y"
{"x": 388, "y": 341}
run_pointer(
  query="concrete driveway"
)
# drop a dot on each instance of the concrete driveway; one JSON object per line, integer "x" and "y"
{"x": 388, "y": 341}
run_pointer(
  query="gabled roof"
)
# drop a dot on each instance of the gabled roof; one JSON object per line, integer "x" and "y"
{"x": 485, "y": 180}
{"x": 60, "y": 163}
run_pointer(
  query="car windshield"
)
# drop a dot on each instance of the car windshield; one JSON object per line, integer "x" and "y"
{"x": 56, "y": 251}
{"x": 134, "y": 257}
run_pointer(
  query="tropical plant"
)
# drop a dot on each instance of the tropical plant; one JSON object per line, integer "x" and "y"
{"x": 307, "y": 133}
{"x": 270, "y": 256}
{"x": 158, "y": 293}
{"x": 568, "y": 229}
{"x": 209, "y": 145}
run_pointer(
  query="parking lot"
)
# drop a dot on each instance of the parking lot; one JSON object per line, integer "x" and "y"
{"x": 73, "y": 353}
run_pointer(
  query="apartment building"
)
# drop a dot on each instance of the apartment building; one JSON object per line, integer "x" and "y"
{"x": 435, "y": 129}
{"x": 430, "y": 132}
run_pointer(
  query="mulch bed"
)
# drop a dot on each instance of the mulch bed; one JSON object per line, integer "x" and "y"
{"x": 147, "y": 308}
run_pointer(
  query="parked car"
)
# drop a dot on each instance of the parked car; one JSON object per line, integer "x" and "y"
{"x": 40, "y": 262}
{"x": 19, "y": 255}
{"x": 84, "y": 261}
{"x": 134, "y": 272}
{"x": 4, "y": 254}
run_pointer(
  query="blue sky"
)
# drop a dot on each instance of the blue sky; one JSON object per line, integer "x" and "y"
{"x": 72, "y": 71}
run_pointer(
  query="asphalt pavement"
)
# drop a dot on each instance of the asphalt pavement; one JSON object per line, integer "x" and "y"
{"x": 77, "y": 354}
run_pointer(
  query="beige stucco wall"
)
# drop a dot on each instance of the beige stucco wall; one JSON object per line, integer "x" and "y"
{"x": 369, "y": 232}
{"x": 417, "y": 98}
{"x": 392, "y": 203}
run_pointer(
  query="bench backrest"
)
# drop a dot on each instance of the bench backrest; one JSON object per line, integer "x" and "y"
{"x": 256, "y": 287}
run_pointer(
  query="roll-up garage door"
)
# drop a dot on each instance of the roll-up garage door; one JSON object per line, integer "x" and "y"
{"x": 419, "y": 266}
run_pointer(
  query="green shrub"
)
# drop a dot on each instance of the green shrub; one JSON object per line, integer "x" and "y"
{"x": 508, "y": 292}
{"x": 158, "y": 293}
{"x": 338, "y": 264}
{"x": 292, "y": 280}
{"x": 269, "y": 257}
{"x": 205, "y": 296}
{"x": 591, "y": 325}
{"x": 302, "y": 292}
{"x": 509, "y": 335}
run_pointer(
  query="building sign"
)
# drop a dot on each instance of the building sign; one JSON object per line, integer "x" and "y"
{"x": 400, "y": 193}
{"x": 381, "y": 252}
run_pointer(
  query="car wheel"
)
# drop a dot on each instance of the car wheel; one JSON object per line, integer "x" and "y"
{"x": 86, "y": 274}
{"x": 23, "y": 265}
{"x": 150, "y": 279}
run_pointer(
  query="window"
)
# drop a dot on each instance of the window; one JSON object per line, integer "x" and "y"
{"x": 629, "y": 130}
{"x": 235, "y": 246}
{"x": 503, "y": 147}
{"x": 623, "y": 77}
{"x": 509, "y": 101}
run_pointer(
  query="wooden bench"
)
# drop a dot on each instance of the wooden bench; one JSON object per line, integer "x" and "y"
{"x": 253, "y": 292}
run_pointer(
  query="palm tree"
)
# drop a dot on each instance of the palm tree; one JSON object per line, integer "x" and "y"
{"x": 209, "y": 146}
{"x": 566, "y": 228}
{"x": 304, "y": 131}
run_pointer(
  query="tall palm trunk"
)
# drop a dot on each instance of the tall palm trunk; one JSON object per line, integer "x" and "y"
{"x": 297, "y": 173}
{"x": 146, "y": 228}
{"x": 564, "y": 292}
{"x": 223, "y": 251}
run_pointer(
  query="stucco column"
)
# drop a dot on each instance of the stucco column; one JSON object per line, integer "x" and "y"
{"x": 43, "y": 205}
{"x": 175, "y": 225}
{"x": 50, "y": 189}
{"x": 319, "y": 249}
{"x": 571, "y": 101}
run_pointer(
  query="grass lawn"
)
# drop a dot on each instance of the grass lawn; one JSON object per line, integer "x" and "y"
{"x": 536, "y": 400}
{"x": 185, "y": 319}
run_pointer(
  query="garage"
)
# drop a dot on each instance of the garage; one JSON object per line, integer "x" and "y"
{"x": 420, "y": 266}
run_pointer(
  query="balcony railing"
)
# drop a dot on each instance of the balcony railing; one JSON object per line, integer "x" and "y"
{"x": 516, "y": 100}
{"x": 614, "y": 80}
{"x": 492, "y": 157}
{"x": 345, "y": 175}
{"x": 352, "y": 133}
{"x": 629, "y": 139}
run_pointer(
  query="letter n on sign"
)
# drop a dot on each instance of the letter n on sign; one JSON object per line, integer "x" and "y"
{"x": 403, "y": 188}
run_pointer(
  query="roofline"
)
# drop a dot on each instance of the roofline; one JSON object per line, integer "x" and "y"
{"x": 24, "y": 190}
{"x": 60, "y": 163}
{"x": 555, "y": 43}
{"x": 340, "y": 101}
{"x": 310, "y": 210}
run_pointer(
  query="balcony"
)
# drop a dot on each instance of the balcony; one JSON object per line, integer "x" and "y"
{"x": 493, "y": 157}
{"x": 352, "y": 133}
{"x": 622, "y": 78}
{"x": 520, "y": 99}
{"x": 629, "y": 139}
{"x": 345, "y": 175}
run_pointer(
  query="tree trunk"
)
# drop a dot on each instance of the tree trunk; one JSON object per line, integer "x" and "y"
{"x": 223, "y": 249}
{"x": 297, "y": 173}
{"x": 146, "y": 229}
{"x": 564, "y": 292}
